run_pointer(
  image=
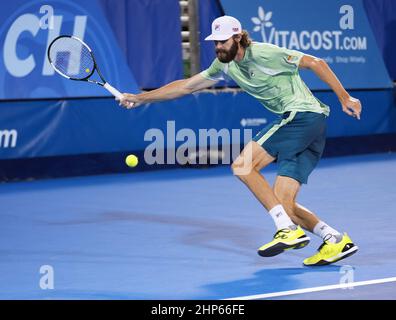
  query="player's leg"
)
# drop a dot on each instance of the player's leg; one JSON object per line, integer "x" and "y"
{"x": 258, "y": 154}
{"x": 255, "y": 157}
{"x": 286, "y": 190}
{"x": 292, "y": 173}
{"x": 247, "y": 168}
{"x": 312, "y": 223}
{"x": 335, "y": 245}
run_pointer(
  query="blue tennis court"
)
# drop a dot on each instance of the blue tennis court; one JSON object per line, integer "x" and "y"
{"x": 118, "y": 185}
{"x": 193, "y": 234}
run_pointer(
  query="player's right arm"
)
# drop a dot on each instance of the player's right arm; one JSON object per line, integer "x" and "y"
{"x": 173, "y": 90}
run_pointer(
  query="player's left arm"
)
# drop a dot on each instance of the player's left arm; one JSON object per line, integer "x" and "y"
{"x": 350, "y": 105}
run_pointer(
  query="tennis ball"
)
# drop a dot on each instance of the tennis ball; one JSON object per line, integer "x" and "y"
{"x": 131, "y": 160}
{"x": 87, "y": 70}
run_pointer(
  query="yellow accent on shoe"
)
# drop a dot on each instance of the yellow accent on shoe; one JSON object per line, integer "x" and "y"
{"x": 284, "y": 239}
{"x": 331, "y": 252}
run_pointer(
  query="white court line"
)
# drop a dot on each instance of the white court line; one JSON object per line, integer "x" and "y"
{"x": 314, "y": 289}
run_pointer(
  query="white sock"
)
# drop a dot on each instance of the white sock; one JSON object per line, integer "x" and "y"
{"x": 327, "y": 233}
{"x": 280, "y": 217}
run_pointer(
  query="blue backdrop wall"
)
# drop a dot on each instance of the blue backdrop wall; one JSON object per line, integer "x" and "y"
{"x": 150, "y": 39}
{"x": 135, "y": 44}
{"x": 70, "y": 127}
{"x": 142, "y": 52}
{"x": 382, "y": 17}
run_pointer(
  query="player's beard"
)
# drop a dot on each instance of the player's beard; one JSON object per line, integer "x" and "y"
{"x": 227, "y": 56}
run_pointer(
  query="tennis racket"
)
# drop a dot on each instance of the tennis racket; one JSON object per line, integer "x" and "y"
{"x": 74, "y": 60}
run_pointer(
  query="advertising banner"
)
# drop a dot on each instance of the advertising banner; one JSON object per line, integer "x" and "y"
{"x": 27, "y": 29}
{"x": 72, "y": 127}
{"x": 335, "y": 31}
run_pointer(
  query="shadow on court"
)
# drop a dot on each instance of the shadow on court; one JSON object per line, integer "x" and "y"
{"x": 267, "y": 281}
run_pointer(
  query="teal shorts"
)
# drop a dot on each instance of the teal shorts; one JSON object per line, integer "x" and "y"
{"x": 297, "y": 141}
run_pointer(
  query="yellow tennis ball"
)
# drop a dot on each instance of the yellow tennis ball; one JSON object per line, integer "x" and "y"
{"x": 131, "y": 160}
{"x": 87, "y": 70}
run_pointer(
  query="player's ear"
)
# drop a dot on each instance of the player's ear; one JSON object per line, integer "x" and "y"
{"x": 237, "y": 37}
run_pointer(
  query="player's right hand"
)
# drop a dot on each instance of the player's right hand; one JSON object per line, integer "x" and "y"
{"x": 129, "y": 101}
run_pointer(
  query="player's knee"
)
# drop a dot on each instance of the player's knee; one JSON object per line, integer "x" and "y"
{"x": 240, "y": 168}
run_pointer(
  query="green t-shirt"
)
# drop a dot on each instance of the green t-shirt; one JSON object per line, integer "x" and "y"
{"x": 270, "y": 74}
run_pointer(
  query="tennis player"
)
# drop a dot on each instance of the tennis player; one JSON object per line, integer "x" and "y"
{"x": 295, "y": 141}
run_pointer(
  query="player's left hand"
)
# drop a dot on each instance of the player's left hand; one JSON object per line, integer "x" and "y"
{"x": 352, "y": 107}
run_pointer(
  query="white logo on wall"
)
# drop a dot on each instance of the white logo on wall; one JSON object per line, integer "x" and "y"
{"x": 21, "y": 66}
{"x": 311, "y": 39}
{"x": 8, "y": 138}
{"x": 253, "y": 122}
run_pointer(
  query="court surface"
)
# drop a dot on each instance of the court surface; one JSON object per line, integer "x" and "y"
{"x": 193, "y": 234}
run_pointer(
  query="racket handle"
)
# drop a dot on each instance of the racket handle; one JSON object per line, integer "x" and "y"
{"x": 113, "y": 91}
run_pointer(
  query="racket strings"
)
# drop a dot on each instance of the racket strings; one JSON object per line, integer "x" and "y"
{"x": 71, "y": 58}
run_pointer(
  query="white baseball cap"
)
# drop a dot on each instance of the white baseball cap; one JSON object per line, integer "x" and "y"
{"x": 224, "y": 28}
